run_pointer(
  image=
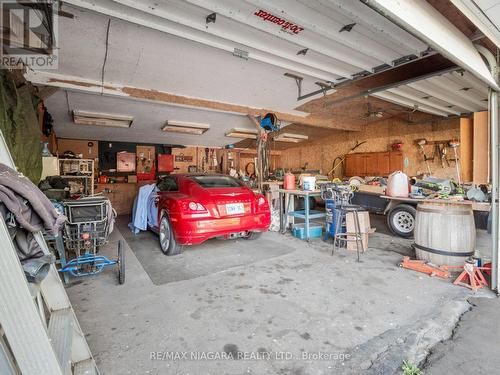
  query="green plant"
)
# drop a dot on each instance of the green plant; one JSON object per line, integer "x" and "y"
{"x": 410, "y": 369}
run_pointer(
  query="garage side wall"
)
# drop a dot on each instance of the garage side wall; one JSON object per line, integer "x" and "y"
{"x": 379, "y": 136}
{"x": 19, "y": 125}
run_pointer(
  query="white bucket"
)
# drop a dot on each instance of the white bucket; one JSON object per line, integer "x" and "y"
{"x": 309, "y": 183}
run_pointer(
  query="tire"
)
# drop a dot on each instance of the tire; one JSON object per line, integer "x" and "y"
{"x": 168, "y": 244}
{"x": 253, "y": 236}
{"x": 401, "y": 220}
{"x": 121, "y": 264}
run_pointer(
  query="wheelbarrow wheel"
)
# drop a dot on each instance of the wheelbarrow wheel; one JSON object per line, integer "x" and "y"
{"x": 121, "y": 263}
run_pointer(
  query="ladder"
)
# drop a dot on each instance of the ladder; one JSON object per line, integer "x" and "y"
{"x": 39, "y": 331}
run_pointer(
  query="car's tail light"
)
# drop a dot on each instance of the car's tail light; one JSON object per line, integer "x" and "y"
{"x": 193, "y": 207}
{"x": 262, "y": 204}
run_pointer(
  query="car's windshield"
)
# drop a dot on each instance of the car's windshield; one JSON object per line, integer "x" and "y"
{"x": 216, "y": 181}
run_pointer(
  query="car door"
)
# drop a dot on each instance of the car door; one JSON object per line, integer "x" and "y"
{"x": 168, "y": 188}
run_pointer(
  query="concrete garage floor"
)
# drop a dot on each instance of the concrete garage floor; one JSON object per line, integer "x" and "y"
{"x": 473, "y": 347}
{"x": 277, "y": 303}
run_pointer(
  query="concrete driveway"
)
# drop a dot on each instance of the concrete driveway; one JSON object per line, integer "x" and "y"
{"x": 277, "y": 305}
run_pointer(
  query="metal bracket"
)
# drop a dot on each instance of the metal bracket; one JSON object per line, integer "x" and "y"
{"x": 324, "y": 87}
{"x": 298, "y": 81}
{"x": 211, "y": 18}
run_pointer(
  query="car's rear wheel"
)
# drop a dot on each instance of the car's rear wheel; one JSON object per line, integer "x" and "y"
{"x": 252, "y": 235}
{"x": 168, "y": 244}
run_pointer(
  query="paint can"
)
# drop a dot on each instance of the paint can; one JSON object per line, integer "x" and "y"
{"x": 309, "y": 183}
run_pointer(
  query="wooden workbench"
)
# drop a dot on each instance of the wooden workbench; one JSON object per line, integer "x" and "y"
{"x": 121, "y": 195}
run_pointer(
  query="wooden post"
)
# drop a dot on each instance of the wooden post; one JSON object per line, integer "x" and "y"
{"x": 480, "y": 155}
{"x": 466, "y": 148}
{"x": 260, "y": 162}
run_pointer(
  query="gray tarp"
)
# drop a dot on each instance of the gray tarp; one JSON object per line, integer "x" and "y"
{"x": 32, "y": 210}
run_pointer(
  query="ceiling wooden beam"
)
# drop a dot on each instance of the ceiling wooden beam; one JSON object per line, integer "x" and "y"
{"x": 108, "y": 89}
{"x": 357, "y": 88}
{"x": 45, "y": 92}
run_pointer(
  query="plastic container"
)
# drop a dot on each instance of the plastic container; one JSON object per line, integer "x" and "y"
{"x": 299, "y": 231}
{"x": 309, "y": 183}
{"x": 397, "y": 185}
{"x": 289, "y": 181}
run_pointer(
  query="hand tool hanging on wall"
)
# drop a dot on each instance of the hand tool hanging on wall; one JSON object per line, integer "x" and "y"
{"x": 421, "y": 143}
{"x": 442, "y": 152}
{"x": 204, "y": 160}
{"x": 453, "y": 144}
{"x": 214, "y": 159}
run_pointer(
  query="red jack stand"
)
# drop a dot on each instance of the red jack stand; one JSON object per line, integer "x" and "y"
{"x": 471, "y": 277}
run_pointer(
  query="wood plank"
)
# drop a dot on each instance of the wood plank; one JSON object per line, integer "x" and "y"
{"x": 350, "y": 165}
{"x": 466, "y": 149}
{"x": 395, "y": 161}
{"x": 360, "y": 166}
{"x": 480, "y": 154}
{"x": 383, "y": 163}
{"x": 372, "y": 164}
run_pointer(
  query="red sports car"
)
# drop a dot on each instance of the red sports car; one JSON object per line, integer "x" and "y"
{"x": 193, "y": 208}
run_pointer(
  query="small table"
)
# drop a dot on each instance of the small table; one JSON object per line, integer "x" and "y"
{"x": 305, "y": 214}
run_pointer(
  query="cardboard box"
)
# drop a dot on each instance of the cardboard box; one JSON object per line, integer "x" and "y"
{"x": 365, "y": 228}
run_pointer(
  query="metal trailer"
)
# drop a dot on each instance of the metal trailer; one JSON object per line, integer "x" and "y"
{"x": 401, "y": 212}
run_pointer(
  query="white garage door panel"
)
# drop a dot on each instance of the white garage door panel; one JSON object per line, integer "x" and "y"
{"x": 424, "y": 21}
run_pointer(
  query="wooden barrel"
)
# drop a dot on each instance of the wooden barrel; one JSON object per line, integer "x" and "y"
{"x": 445, "y": 233}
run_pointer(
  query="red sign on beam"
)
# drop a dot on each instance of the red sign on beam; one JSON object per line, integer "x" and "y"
{"x": 286, "y": 26}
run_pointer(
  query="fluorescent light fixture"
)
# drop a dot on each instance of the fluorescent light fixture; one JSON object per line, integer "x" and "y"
{"x": 290, "y": 137}
{"x": 242, "y": 133}
{"x": 185, "y": 127}
{"x": 101, "y": 119}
